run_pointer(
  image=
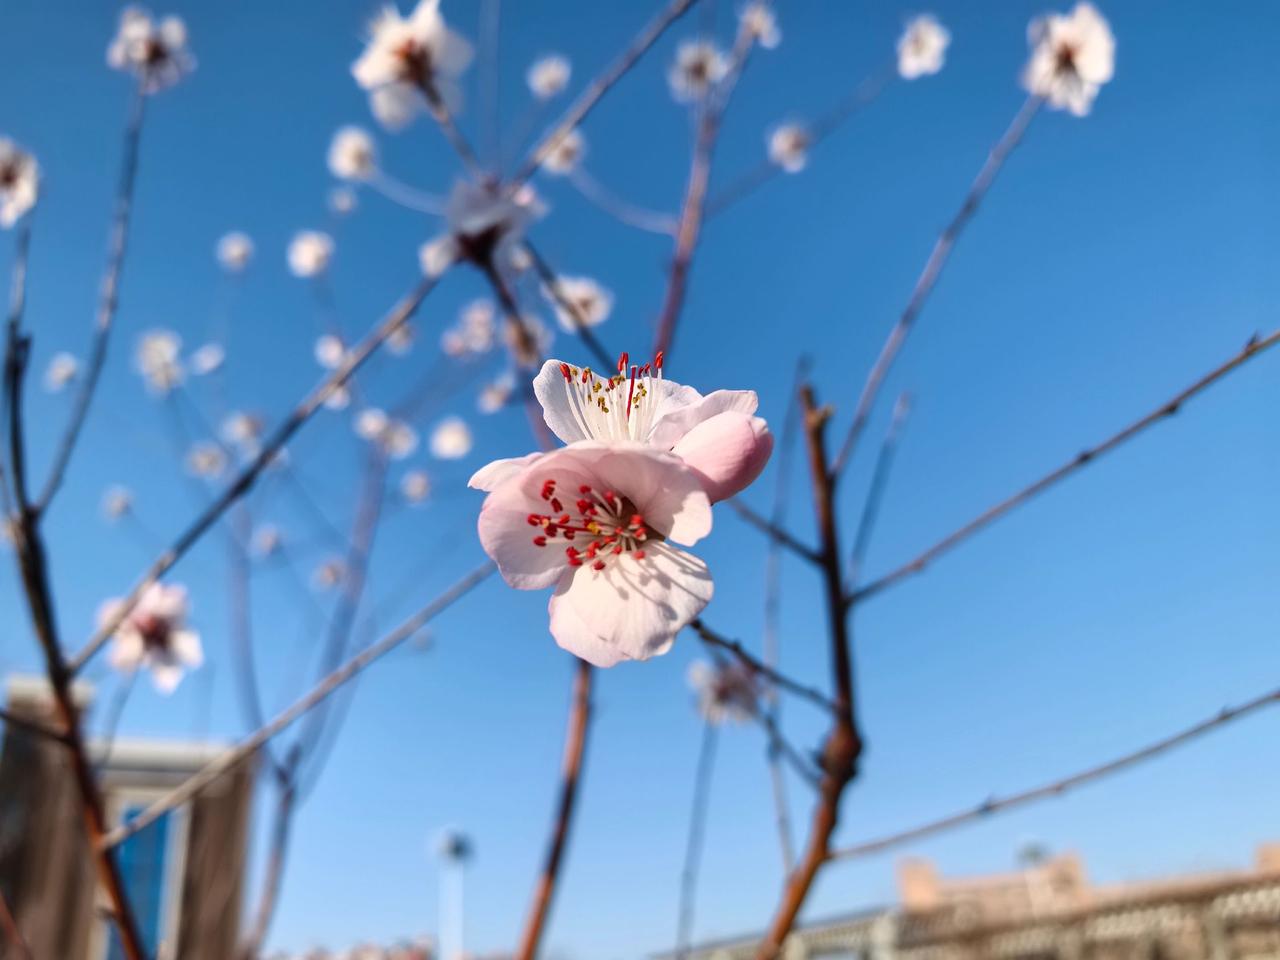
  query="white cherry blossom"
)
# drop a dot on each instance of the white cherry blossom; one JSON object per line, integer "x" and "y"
{"x": 759, "y": 21}
{"x": 267, "y": 540}
{"x": 154, "y": 50}
{"x": 496, "y": 394}
{"x": 725, "y": 691}
{"x": 158, "y": 359}
{"x": 62, "y": 370}
{"x": 1072, "y": 56}
{"x": 789, "y": 147}
{"x": 309, "y": 253}
{"x": 206, "y": 460}
{"x": 451, "y": 439}
{"x": 352, "y": 154}
{"x": 922, "y": 48}
{"x": 699, "y": 65}
{"x": 580, "y": 302}
{"x": 19, "y": 182}
{"x": 117, "y": 502}
{"x": 155, "y": 635}
{"x": 342, "y": 201}
{"x": 548, "y": 76}
{"x": 206, "y": 359}
{"x": 395, "y": 437}
{"x": 567, "y": 153}
{"x": 485, "y": 225}
{"x": 235, "y": 250}
{"x": 415, "y": 486}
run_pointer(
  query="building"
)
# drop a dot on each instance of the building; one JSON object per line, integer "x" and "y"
{"x": 184, "y": 872}
{"x": 1050, "y": 911}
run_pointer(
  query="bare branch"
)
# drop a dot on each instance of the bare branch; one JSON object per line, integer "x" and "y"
{"x": 571, "y": 772}
{"x": 928, "y": 278}
{"x": 1057, "y": 788}
{"x": 598, "y": 87}
{"x": 551, "y": 280}
{"x": 11, "y": 932}
{"x": 775, "y": 532}
{"x": 1254, "y": 347}
{"x": 780, "y": 680}
{"x": 625, "y": 213}
{"x": 879, "y": 483}
{"x": 248, "y": 476}
{"x": 299, "y": 708}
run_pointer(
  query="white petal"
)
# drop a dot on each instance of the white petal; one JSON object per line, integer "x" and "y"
{"x": 186, "y": 649}
{"x": 679, "y": 420}
{"x": 549, "y": 388}
{"x": 127, "y": 650}
{"x": 490, "y": 476}
{"x": 665, "y": 490}
{"x": 632, "y": 609}
{"x": 166, "y": 677}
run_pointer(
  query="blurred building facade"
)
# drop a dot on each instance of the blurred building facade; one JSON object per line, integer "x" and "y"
{"x": 184, "y": 872}
{"x": 1050, "y": 911}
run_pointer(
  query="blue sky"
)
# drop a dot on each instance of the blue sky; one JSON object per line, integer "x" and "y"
{"x": 1117, "y": 258}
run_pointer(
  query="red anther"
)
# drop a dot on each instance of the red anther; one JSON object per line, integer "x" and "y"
{"x": 623, "y": 360}
{"x": 598, "y": 565}
{"x": 610, "y": 496}
{"x": 657, "y": 361}
{"x": 592, "y": 547}
{"x": 617, "y": 549}
{"x": 585, "y": 488}
{"x": 583, "y": 506}
{"x": 558, "y": 507}
{"x": 586, "y": 374}
{"x": 534, "y": 520}
{"x": 637, "y": 520}
{"x": 550, "y": 529}
{"x": 638, "y": 554}
{"x": 570, "y": 552}
{"x": 575, "y": 562}
{"x": 539, "y": 541}
{"x": 568, "y": 534}
{"x": 564, "y": 519}
{"x": 565, "y": 371}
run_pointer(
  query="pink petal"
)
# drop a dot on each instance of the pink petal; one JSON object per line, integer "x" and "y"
{"x": 673, "y": 423}
{"x": 727, "y": 452}
{"x": 493, "y": 475}
{"x": 632, "y": 609}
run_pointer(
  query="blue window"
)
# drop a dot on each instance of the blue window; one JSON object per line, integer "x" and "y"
{"x": 143, "y": 866}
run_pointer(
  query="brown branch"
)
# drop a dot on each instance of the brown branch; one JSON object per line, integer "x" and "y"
{"x": 11, "y": 931}
{"x": 844, "y": 744}
{"x": 601, "y": 85}
{"x": 34, "y": 570}
{"x": 299, "y": 708}
{"x": 281, "y": 828}
{"x": 248, "y": 476}
{"x": 775, "y": 531}
{"x": 879, "y": 484}
{"x": 571, "y": 772}
{"x": 780, "y": 680}
{"x": 108, "y": 302}
{"x": 1167, "y": 409}
{"x": 551, "y": 280}
{"x": 443, "y": 117}
{"x": 929, "y": 276}
{"x": 1056, "y": 788}
{"x": 34, "y": 727}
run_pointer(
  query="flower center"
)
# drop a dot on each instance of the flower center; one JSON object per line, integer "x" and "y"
{"x": 154, "y": 631}
{"x": 600, "y": 527}
{"x": 621, "y": 407}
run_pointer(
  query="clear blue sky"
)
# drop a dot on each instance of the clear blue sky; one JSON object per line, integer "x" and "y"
{"x": 1118, "y": 258}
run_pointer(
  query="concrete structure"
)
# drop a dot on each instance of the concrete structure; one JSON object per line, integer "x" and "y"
{"x": 184, "y": 872}
{"x": 1049, "y": 911}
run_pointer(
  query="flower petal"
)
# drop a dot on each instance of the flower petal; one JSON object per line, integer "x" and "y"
{"x": 727, "y": 452}
{"x": 549, "y": 388}
{"x": 632, "y": 609}
{"x": 166, "y": 677}
{"x": 675, "y": 420}
{"x": 665, "y": 490}
{"x": 493, "y": 475}
{"x": 185, "y": 647}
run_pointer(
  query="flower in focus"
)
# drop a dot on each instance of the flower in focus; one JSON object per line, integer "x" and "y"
{"x": 451, "y": 439}
{"x": 154, "y": 50}
{"x": 309, "y": 253}
{"x": 395, "y": 437}
{"x": 789, "y": 147}
{"x": 698, "y": 67}
{"x": 158, "y": 360}
{"x": 485, "y": 227}
{"x": 759, "y": 21}
{"x": 580, "y": 302}
{"x": 235, "y": 250}
{"x": 495, "y": 394}
{"x": 415, "y": 486}
{"x": 206, "y": 460}
{"x": 19, "y": 182}
{"x": 207, "y": 358}
{"x": 352, "y": 155}
{"x": 62, "y": 369}
{"x": 1072, "y": 56}
{"x": 567, "y": 153}
{"x": 117, "y": 502}
{"x": 922, "y": 48}
{"x": 548, "y": 76}
{"x": 597, "y": 519}
{"x": 155, "y": 634}
{"x": 726, "y": 691}
{"x": 718, "y": 435}
{"x": 408, "y": 59}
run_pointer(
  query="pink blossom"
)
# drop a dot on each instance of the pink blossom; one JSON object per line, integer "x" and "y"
{"x": 154, "y": 634}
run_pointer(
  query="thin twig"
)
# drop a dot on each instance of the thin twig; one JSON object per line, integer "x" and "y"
{"x": 1057, "y": 788}
{"x": 693, "y": 846}
{"x": 108, "y": 301}
{"x": 571, "y": 773}
{"x": 444, "y": 119}
{"x": 598, "y": 87}
{"x": 929, "y": 276}
{"x": 843, "y": 746}
{"x": 334, "y": 681}
{"x": 17, "y": 306}
{"x": 551, "y": 281}
{"x": 628, "y": 214}
{"x": 879, "y": 484}
{"x": 780, "y": 680}
{"x": 249, "y": 474}
{"x": 1167, "y": 409}
{"x": 774, "y": 531}
{"x": 406, "y": 196}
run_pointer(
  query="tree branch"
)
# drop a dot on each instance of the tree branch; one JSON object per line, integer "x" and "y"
{"x": 780, "y": 680}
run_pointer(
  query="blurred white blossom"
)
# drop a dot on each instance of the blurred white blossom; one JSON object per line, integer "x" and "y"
{"x": 328, "y": 574}
{"x": 207, "y": 358}
{"x": 761, "y": 23}
{"x": 342, "y": 200}
{"x": 400, "y": 342}
{"x": 451, "y": 439}
{"x": 548, "y": 76}
{"x": 565, "y": 156}
{"x": 155, "y": 50}
{"x": 1072, "y": 56}
{"x": 352, "y": 154}
{"x": 789, "y": 147}
{"x": 922, "y": 48}
{"x": 330, "y": 351}
{"x": 158, "y": 359}
{"x": 243, "y": 431}
{"x": 267, "y": 540}
{"x": 415, "y": 486}
{"x": 396, "y": 438}
{"x": 725, "y": 691}
{"x": 408, "y": 59}
{"x": 19, "y": 182}
{"x": 155, "y": 634}
{"x": 475, "y": 331}
{"x": 235, "y": 250}
{"x": 699, "y": 66}
{"x": 580, "y": 302}
{"x": 63, "y": 368}
{"x": 117, "y": 502}
{"x": 309, "y": 253}
{"x": 495, "y": 394}
{"x": 485, "y": 226}
{"x": 206, "y": 460}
